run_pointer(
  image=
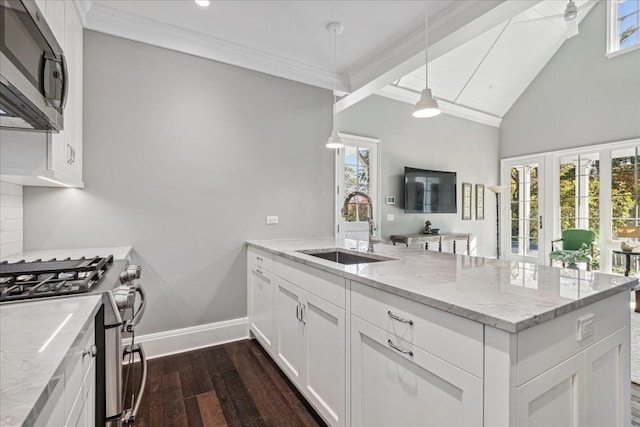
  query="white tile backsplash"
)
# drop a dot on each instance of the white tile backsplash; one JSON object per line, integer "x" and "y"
{"x": 11, "y": 219}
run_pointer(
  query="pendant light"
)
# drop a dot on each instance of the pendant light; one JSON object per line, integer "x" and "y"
{"x": 427, "y": 105}
{"x": 334, "y": 140}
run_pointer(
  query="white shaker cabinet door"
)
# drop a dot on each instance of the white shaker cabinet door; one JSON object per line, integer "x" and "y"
{"x": 608, "y": 402}
{"x": 397, "y": 384}
{"x": 290, "y": 329}
{"x": 324, "y": 368}
{"x": 261, "y": 305}
{"x": 554, "y": 398}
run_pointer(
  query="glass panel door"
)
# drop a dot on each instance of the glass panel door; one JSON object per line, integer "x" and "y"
{"x": 580, "y": 196}
{"x": 356, "y": 171}
{"x": 625, "y": 209}
{"x": 523, "y": 210}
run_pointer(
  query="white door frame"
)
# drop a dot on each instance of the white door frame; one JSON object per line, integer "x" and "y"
{"x": 374, "y": 144}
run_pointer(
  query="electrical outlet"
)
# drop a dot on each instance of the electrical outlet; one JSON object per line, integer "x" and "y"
{"x": 272, "y": 220}
{"x": 390, "y": 217}
{"x": 585, "y": 326}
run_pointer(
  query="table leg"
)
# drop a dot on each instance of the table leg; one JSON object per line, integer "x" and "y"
{"x": 468, "y": 246}
{"x": 454, "y": 246}
{"x": 426, "y": 246}
{"x": 627, "y": 264}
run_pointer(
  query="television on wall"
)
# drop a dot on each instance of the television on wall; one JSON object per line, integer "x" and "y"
{"x": 429, "y": 191}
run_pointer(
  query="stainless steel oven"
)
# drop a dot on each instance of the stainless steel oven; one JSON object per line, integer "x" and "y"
{"x": 33, "y": 70}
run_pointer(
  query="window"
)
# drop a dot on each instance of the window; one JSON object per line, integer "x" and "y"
{"x": 524, "y": 211}
{"x": 623, "y": 23}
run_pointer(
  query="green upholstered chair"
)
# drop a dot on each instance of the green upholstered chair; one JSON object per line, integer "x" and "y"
{"x": 572, "y": 240}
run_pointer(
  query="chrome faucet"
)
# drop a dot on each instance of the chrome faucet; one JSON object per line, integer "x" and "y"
{"x": 345, "y": 211}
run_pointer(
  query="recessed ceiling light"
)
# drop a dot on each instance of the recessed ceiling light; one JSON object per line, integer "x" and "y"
{"x": 203, "y": 3}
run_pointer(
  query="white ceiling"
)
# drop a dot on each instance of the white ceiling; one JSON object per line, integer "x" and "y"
{"x": 489, "y": 73}
{"x": 481, "y": 60}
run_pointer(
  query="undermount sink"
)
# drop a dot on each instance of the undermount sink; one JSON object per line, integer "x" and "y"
{"x": 342, "y": 256}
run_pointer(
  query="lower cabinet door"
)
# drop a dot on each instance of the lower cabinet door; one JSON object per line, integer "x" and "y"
{"x": 396, "y": 384}
{"x": 555, "y": 397}
{"x": 609, "y": 402}
{"x": 325, "y": 358}
{"x": 261, "y": 307}
{"x": 289, "y": 344}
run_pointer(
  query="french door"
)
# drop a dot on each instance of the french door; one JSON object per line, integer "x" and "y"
{"x": 356, "y": 170}
{"x": 522, "y": 210}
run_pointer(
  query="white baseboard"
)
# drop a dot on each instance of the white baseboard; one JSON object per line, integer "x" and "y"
{"x": 185, "y": 339}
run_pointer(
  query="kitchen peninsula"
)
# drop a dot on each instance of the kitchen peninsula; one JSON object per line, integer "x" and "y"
{"x": 412, "y": 337}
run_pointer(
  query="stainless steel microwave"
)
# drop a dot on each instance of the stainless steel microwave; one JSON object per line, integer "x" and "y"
{"x": 33, "y": 71}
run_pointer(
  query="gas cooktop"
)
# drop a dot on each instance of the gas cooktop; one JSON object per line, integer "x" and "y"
{"x": 38, "y": 279}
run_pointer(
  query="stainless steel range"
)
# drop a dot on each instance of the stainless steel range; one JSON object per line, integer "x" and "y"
{"x": 123, "y": 306}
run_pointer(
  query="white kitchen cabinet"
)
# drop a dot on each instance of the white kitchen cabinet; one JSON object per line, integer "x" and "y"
{"x": 261, "y": 297}
{"x": 311, "y": 348}
{"x": 28, "y": 157}
{"x": 394, "y": 383}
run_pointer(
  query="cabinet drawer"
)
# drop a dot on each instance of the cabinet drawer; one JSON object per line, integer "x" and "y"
{"x": 320, "y": 283}
{"x": 84, "y": 398}
{"x": 544, "y": 346}
{"x": 259, "y": 258}
{"x": 452, "y": 338}
{"x": 77, "y": 367}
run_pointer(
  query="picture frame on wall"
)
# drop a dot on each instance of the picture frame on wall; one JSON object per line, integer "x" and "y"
{"x": 479, "y": 201}
{"x": 466, "y": 201}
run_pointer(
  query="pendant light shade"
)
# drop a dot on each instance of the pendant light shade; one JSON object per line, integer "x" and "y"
{"x": 334, "y": 140}
{"x": 427, "y": 106}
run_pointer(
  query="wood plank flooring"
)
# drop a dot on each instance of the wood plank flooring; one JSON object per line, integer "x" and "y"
{"x": 234, "y": 384}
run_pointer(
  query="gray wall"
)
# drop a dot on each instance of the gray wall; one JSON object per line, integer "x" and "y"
{"x": 183, "y": 159}
{"x": 580, "y": 98}
{"x": 442, "y": 143}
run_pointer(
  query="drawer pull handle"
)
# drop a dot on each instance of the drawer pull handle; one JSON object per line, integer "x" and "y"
{"x": 93, "y": 351}
{"x": 399, "y": 319}
{"x": 259, "y": 258}
{"x": 395, "y": 347}
{"x": 259, "y": 270}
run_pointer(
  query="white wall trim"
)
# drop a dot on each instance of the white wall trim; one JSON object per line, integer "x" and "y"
{"x": 192, "y": 338}
{"x": 106, "y": 19}
{"x": 410, "y": 97}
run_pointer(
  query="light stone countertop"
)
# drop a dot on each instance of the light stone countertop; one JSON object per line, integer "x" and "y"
{"x": 118, "y": 252}
{"x": 35, "y": 339}
{"x": 512, "y": 296}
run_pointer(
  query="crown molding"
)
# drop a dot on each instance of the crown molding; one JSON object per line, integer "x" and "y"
{"x": 108, "y": 20}
{"x": 81, "y": 8}
{"x": 411, "y": 97}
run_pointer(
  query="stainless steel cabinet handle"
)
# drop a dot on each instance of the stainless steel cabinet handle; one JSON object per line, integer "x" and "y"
{"x": 302, "y": 311}
{"x": 68, "y": 154}
{"x": 298, "y": 311}
{"x": 395, "y": 347}
{"x": 73, "y": 155}
{"x": 399, "y": 319}
{"x": 93, "y": 351}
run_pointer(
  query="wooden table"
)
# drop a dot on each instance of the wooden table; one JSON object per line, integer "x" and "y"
{"x": 409, "y": 239}
{"x": 627, "y": 269}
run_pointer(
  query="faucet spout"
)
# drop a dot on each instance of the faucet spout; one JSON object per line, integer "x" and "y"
{"x": 345, "y": 211}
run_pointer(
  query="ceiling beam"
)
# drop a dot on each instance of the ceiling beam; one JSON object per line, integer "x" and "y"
{"x": 450, "y": 29}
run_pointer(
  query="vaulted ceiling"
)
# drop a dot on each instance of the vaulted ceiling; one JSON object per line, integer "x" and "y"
{"x": 481, "y": 56}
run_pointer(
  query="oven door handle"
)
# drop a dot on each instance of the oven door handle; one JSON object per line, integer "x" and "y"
{"x": 130, "y": 414}
{"x": 131, "y": 325}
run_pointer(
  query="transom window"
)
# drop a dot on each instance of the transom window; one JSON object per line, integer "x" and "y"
{"x": 624, "y": 23}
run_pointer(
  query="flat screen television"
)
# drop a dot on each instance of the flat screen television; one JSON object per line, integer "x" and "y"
{"x": 428, "y": 191}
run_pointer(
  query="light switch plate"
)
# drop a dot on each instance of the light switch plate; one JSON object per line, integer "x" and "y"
{"x": 272, "y": 220}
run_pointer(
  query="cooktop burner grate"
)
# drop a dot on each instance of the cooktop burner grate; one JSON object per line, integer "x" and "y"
{"x": 39, "y": 279}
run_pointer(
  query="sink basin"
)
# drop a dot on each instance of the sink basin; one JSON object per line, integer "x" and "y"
{"x": 343, "y": 256}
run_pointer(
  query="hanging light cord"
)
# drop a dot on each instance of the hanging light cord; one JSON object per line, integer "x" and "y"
{"x": 426, "y": 47}
{"x": 335, "y": 66}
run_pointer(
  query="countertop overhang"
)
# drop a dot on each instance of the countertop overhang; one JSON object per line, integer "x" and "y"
{"x": 508, "y": 295}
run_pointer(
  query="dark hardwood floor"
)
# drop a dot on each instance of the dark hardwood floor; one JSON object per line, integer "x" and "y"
{"x": 234, "y": 384}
